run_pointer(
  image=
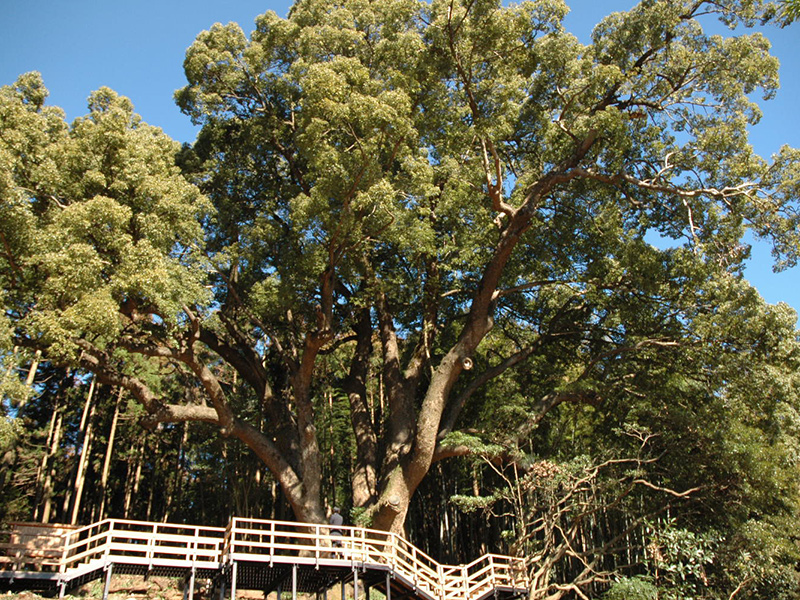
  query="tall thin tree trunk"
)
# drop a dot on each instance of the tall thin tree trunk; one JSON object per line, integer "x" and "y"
{"x": 47, "y": 487}
{"x": 134, "y": 477}
{"x": 332, "y": 458}
{"x": 34, "y": 367}
{"x": 274, "y": 492}
{"x": 109, "y": 451}
{"x": 175, "y": 489}
{"x": 149, "y": 512}
{"x": 82, "y": 435}
{"x": 153, "y": 479}
{"x": 43, "y": 464}
{"x": 31, "y": 375}
{"x": 87, "y": 420}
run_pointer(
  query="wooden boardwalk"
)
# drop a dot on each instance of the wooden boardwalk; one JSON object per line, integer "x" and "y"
{"x": 250, "y": 554}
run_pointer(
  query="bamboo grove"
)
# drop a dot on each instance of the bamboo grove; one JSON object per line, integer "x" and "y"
{"x": 437, "y": 263}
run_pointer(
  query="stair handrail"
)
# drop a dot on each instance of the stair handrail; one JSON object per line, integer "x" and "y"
{"x": 100, "y": 541}
{"x": 269, "y": 538}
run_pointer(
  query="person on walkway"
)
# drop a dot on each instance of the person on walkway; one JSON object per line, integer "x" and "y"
{"x": 336, "y": 526}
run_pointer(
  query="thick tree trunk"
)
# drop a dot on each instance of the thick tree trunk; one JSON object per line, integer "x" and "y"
{"x": 364, "y": 476}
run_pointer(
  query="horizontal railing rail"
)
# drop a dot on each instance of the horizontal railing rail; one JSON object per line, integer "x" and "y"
{"x": 268, "y": 541}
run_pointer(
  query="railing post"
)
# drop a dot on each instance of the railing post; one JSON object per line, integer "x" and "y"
{"x": 107, "y": 585}
{"x": 62, "y": 567}
{"x": 150, "y": 547}
{"x": 226, "y": 543}
{"x": 271, "y": 542}
{"x": 195, "y": 543}
{"x": 109, "y": 537}
{"x": 232, "y": 540}
{"x": 414, "y": 561}
{"x": 465, "y": 579}
{"x": 317, "y": 533}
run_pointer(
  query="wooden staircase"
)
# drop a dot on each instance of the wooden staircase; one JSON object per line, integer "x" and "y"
{"x": 250, "y": 554}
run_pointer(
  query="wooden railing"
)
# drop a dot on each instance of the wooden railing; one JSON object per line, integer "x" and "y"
{"x": 32, "y": 546}
{"x": 261, "y": 541}
{"x": 143, "y": 543}
{"x": 271, "y": 541}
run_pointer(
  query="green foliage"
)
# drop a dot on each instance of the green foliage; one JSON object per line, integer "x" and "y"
{"x": 9, "y": 431}
{"x": 790, "y": 11}
{"x": 470, "y": 504}
{"x": 394, "y": 192}
{"x": 679, "y": 559}
{"x": 632, "y": 588}
{"x": 476, "y": 445}
{"x": 96, "y": 215}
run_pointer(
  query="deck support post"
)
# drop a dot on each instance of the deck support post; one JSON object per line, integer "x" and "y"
{"x": 388, "y": 585}
{"x": 188, "y": 582}
{"x": 191, "y": 584}
{"x": 107, "y": 585}
{"x": 294, "y": 582}
{"x": 62, "y": 589}
{"x": 233, "y": 581}
{"x": 355, "y": 584}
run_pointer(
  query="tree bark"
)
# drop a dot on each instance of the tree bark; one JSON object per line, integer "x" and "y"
{"x": 50, "y": 468}
{"x": 109, "y": 451}
{"x": 31, "y": 374}
{"x": 80, "y": 477}
{"x": 41, "y": 472}
{"x": 134, "y": 477}
{"x": 364, "y": 476}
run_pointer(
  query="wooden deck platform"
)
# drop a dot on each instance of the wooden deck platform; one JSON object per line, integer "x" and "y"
{"x": 249, "y": 554}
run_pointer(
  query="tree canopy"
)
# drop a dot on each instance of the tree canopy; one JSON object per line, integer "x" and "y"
{"x": 791, "y": 10}
{"x": 452, "y": 219}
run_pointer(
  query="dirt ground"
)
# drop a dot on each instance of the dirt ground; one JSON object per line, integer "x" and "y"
{"x": 128, "y": 587}
{"x": 131, "y": 587}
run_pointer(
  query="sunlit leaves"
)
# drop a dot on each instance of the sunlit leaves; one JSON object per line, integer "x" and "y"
{"x": 97, "y": 215}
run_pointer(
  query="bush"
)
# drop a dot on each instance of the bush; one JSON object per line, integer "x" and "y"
{"x": 632, "y": 588}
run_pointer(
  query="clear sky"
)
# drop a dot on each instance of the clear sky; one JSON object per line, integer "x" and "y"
{"x": 137, "y": 48}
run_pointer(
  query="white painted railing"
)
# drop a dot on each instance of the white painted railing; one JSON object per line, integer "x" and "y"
{"x": 264, "y": 541}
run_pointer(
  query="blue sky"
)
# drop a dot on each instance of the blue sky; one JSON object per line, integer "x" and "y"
{"x": 137, "y": 48}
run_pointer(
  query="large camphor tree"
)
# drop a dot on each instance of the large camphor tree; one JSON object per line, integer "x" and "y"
{"x": 403, "y": 203}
